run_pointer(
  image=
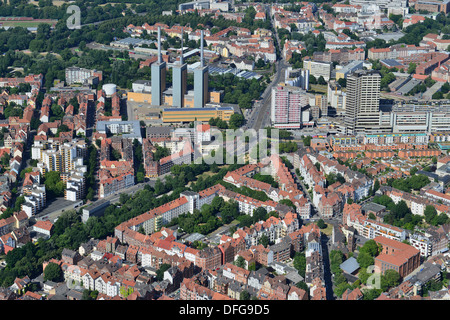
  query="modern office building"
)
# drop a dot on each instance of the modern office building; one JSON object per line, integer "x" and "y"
{"x": 318, "y": 68}
{"x": 158, "y": 70}
{"x": 362, "y": 110}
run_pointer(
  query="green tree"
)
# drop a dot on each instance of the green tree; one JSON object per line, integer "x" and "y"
{"x": 364, "y": 259}
{"x": 289, "y": 203}
{"x": 321, "y": 81}
{"x": 160, "y": 272}
{"x": 54, "y": 186}
{"x": 430, "y": 213}
{"x": 321, "y": 224}
{"x": 371, "y": 294}
{"x": 124, "y": 197}
{"x": 140, "y": 176}
{"x": 86, "y": 295}
{"x": 300, "y": 263}
{"x": 240, "y": 262}
{"x": 236, "y": 121}
{"x": 441, "y": 219}
{"x": 53, "y": 272}
{"x": 259, "y": 214}
{"x": 341, "y": 288}
{"x": 307, "y": 141}
{"x": 244, "y": 295}
{"x": 412, "y": 68}
{"x": 302, "y": 285}
{"x": 390, "y": 279}
{"x": 370, "y": 247}
{"x": 264, "y": 240}
{"x": 342, "y": 82}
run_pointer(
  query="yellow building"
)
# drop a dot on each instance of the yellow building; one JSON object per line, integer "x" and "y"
{"x": 188, "y": 101}
{"x": 196, "y": 114}
{"x": 215, "y": 96}
{"x": 168, "y": 100}
{"x": 139, "y": 97}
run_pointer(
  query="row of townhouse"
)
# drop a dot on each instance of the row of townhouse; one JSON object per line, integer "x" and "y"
{"x": 247, "y": 205}
{"x": 16, "y": 221}
{"x": 154, "y": 219}
{"x": 398, "y": 51}
{"x": 110, "y": 281}
{"x": 308, "y": 171}
{"x": 358, "y": 181}
{"x": 368, "y": 228}
{"x": 242, "y": 243}
{"x": 111, "y": 185}
{"x": 275, "y": 229}
{"x": 417, "y": 203}
{"x": 329, "y": 200}
{"x": 275, "y": 167}
{"x": 288, "y": 187}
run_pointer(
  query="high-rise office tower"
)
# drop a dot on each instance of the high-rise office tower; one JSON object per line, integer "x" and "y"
{"x": 179, "y": 76}
{"x": 158, "y": 70}
{"x": 201, "y": 94}
{"x": 362, "y": 112}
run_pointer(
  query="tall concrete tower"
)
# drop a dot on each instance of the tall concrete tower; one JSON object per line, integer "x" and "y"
{"x": 179, "y": 76}
{"x": 201, "y": 93}
{"x": 158, "y": 70}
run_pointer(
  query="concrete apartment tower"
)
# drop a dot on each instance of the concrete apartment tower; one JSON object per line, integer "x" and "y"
{"x": 179, "y": 82}
{"x": 158, "y": 70}
{"x": 201, "y": 94}
{"x": 362, "y": 112}
{"x": 286, "y": 107}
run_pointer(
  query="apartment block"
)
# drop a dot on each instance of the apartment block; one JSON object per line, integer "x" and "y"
{"x": 286, "y": 107}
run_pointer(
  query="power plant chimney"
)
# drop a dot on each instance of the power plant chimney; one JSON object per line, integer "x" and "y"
{"x": 159, "y": 45}
{"x": 181, "y": 56}
{"x": 201, "y": 48}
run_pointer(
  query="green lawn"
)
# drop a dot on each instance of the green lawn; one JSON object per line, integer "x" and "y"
{"x": 319, "y": 88}
{"x": 328, "y": 230}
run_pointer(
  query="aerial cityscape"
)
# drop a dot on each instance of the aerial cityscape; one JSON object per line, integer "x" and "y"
{"x": 225, "y": 150}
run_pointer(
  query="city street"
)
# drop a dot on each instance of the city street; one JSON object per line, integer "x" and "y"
{"x": 260, "y": 116}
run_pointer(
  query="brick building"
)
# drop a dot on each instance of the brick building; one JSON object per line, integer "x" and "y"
{"x": 396, "y": 255}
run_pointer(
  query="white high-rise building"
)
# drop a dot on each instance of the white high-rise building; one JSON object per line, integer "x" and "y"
{"x": 362, "y": 109}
